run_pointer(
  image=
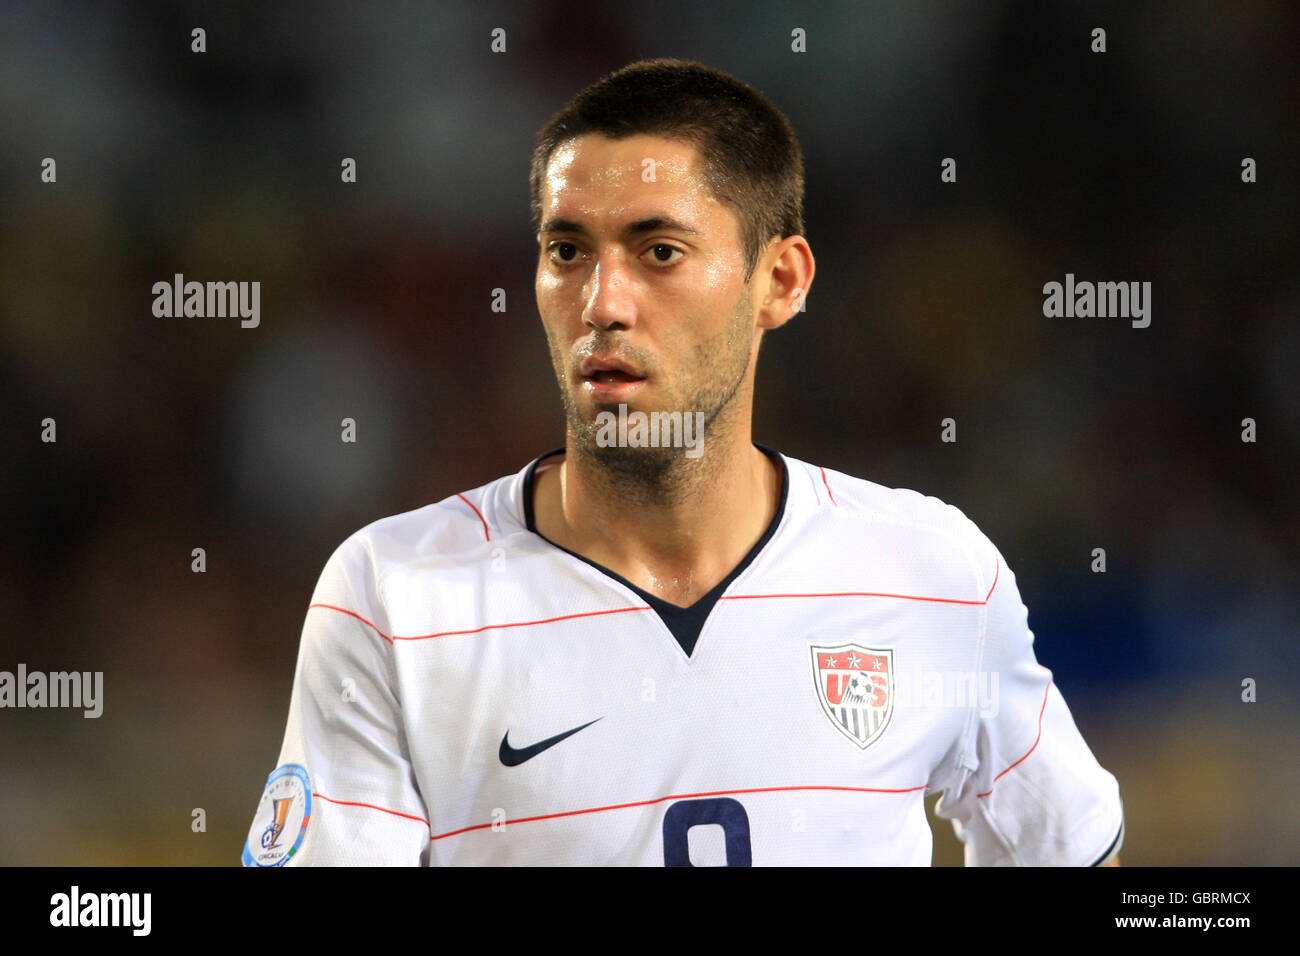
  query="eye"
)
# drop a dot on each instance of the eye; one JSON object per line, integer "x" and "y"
{"x": 661, "y": 251}
{"x": 564, "y": 252}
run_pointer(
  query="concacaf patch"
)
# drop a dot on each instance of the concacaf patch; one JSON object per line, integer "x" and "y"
{"x": 281, "y": 819}
{"x": 855, "y": 687}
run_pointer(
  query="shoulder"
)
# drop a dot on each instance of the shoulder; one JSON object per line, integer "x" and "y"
{"x": 457, "y": 531}
{"x": 898, "y": 518}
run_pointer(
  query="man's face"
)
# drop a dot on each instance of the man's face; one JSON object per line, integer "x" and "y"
{"x": 640, "y": 286}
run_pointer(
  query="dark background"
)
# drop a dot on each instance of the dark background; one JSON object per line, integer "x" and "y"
{"x": 1073, "y": 434}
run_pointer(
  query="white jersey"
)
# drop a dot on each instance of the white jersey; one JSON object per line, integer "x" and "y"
{"x": 468, "y": 692}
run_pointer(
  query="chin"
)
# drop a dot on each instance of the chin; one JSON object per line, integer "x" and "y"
{"x": 640, "y": 463}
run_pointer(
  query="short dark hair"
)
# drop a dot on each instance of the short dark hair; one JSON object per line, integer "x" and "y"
{"x": 750, "y": 157}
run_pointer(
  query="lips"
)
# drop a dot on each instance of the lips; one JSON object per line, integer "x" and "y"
{"x": 610, "y": 370}
{"x": 609, "y": 379}
{"x": 612, "y": 377}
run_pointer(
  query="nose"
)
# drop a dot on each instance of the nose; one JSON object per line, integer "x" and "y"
{"x": 610, "y": 300}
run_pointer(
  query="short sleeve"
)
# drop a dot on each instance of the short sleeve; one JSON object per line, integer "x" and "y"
{"x": 345, "y": 745}
{"x": 1027, "y": 790}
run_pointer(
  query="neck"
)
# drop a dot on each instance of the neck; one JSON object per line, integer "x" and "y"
{"x": 675, "y": 528}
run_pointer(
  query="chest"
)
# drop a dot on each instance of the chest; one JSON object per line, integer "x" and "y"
{"x": 570, "y": 732}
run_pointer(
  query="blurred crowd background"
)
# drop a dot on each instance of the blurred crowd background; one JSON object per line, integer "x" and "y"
{"x": 1073, "y": 434}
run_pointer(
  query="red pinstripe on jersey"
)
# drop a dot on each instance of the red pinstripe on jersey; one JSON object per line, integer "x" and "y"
{"x": 486, "y": 535}
{"x": 828, "y": 488}
{"x": 901, "y": 597}
{"x": 617, "y": 806}
{"x": 835, "y": 594}
{"x": 1031, "y": 749}
{"x": 548, "y": 620}
{"x": 343, "y": 610}
{"x": 674, "y": 796}
{"x": 370, "y": 806}
{"x": 671, "y": 796}
{"x": 683, "y": 796}
{"x": 646, "y": 607}
{"x": 476, "y": 630}
{"x": 686, "y": 796}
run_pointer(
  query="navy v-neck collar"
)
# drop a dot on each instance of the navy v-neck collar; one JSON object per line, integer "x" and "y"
{"x": 685, "y": 623}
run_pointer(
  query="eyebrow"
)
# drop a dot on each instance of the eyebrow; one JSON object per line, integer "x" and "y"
{"x": 640, "y": 227}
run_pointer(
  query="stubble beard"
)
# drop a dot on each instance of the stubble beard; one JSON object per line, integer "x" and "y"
{"x": 663, "y": 475}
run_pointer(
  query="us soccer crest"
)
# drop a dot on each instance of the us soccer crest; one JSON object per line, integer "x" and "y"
{"x": 855, "y": 686}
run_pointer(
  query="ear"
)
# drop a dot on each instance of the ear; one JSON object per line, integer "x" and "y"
{"x": 782, "y": 279}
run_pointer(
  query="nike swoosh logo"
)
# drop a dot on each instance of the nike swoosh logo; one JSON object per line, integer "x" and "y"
{"x": 513, "y": 758}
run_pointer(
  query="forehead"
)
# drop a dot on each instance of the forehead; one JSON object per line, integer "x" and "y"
{"x": 593, "y": 177}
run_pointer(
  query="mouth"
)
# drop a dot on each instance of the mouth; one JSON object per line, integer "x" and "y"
{"x": 609, "y": 378}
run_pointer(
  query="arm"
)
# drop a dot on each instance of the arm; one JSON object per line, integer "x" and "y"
{"x": 1026, "y": 789}
{"x": 346, "y": 736}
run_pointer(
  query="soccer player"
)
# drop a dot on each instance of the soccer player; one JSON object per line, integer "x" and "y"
{"x": 665, "y": 644}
